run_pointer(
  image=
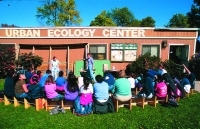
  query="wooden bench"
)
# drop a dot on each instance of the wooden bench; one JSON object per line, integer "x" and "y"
{"x": 49, "y": 104}
{"x": 8, "y": 100}
{"x": 138, "y": 102}
{"x": 118, "y": 104}
{"x": 38, "y": 103}
{"x": 151, "y": 101}
{"x": 162, "y": 100}
{"x": 18, "y": 101}
{"x": 67, "y": 104}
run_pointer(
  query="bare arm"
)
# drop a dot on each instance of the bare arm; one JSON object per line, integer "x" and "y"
{"x": 25, "y": 88}
{"x": 188, "y": 71}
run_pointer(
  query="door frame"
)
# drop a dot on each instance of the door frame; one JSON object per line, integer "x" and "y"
{"x": 173, "y": 44}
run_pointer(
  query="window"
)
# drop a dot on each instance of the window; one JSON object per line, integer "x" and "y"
{"x": 154, "y": 50}
{"x": 98, "y": 52}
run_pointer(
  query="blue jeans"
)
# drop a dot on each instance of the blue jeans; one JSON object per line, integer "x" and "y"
{"x": 59, "y": 96}
{"x": 90, "y": 72}
{"x": 22, "y": 95}
{"x": 82, "y": 109}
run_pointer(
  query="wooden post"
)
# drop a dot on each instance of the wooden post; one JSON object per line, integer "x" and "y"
{"x": 33, "y": 51}
{"x": 49, "y": 62}
{"x": 67, "y": 57}
{"x": 6, "y": 101}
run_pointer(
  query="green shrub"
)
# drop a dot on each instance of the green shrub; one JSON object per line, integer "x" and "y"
{"x": 7, "y": 59}
{"x": 29, "y": 60}
{"x": 147, "y": 61}
{"x": 194, "y": 65}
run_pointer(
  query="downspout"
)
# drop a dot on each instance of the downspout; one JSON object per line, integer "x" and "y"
{"x": 195, "y": 41}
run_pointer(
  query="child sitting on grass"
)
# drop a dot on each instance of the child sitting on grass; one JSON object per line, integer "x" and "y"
{"x": 21, "y": 87}
{"x": 50, "y": 89}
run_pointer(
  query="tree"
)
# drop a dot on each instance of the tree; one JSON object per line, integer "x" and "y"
{"x": 29, "y": 60}
{"x": 147, "y": 22}
{"x": 6, "y": 25}
{"x": 59, "y": 13}
{"x": 179, "y": 21}
{"x": 194, "y": 15}
{"x": 7, "y": 59}
{"x": 122, "y": 16}
{"x": 102, "y": 20}
{"x": 135, "y": 23}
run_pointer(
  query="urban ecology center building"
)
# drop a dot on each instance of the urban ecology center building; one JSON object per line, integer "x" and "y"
{"x": 111, "y": 47}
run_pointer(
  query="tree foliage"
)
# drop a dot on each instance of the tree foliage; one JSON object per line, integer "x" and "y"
{"x": 194, "y": 14}
{"x": 122, "y": 16}
{"x": 147, "y": 22}
{"x": 102, "y": 20}
{"x": 59, "y": 13}
{"x": 7, "y": 59}
{"x": 178, "y": 20}
{"x": 29, "y": 60}
{"x": 6, "y": 25}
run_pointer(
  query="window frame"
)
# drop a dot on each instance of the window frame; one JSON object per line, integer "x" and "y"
{"x": 96, "y": 46}
{"x": 149, "y": 45}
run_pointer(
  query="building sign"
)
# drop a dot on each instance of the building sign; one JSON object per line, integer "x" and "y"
{"x": 123, "y": 51}
{"x": 73, "y": 33}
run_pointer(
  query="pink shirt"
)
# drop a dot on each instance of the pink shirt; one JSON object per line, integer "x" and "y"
{"x": 50, "y": 90}
{"x": 161, "y": 89}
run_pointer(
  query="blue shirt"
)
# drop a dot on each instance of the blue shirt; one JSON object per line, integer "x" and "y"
{"x": 109, "y": 79}
{"x": 101, "y": 91}
{"x": 90, "y": 61}
{"x": 60, "y": 81}
{"x": 43, "y": 80}
{"x": 185, "y": 81}
{"x": 152, "y": 73}
{"x": 28, "y": 76}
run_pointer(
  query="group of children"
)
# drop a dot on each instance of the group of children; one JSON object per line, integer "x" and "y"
{"x": 88, "y": 97}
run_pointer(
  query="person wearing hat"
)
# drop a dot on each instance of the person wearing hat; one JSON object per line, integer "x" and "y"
{"x": 55, "y": 67}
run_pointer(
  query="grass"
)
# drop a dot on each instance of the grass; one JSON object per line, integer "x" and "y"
{"x": 185, "y": 116}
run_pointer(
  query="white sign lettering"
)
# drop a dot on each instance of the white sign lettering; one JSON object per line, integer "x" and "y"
{"x": 22, "y": 33}
{"x": 73, "y": 33}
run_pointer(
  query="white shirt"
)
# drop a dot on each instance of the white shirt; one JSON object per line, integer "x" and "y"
{"x": 89, "y": 89}
{"x": 132, "y": 81}
{"x": 54, "y": 64}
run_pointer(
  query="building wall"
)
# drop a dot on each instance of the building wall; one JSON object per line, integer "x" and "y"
{"x": 48, "y": 47}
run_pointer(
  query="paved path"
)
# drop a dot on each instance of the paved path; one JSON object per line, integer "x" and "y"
{"x": 197, "y": 86}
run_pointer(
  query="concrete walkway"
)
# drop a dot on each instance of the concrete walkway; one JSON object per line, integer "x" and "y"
{"x": 197, "y": 86}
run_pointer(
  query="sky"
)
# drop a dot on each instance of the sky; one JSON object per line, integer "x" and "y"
{"x": 22, "y": 12}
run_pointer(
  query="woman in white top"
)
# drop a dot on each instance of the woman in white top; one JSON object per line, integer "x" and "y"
{"x": 55, "y": 67}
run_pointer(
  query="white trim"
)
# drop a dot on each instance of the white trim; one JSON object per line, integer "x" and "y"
{"x": 158, "y": 44}
{"x": 99, "y": 27}
{"x": 107, "y": 58}
{"x": 162, "y": 28}
{"x": 97, "y": 37}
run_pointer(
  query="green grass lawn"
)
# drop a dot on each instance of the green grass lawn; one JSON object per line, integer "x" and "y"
{"x": 186, "y": 116}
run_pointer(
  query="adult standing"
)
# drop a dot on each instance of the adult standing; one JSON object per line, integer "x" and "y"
{"x": 90, "y": 66}
{"x": 55, "y": 67}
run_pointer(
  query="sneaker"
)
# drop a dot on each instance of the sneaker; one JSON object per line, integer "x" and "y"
{"x": 62, "y": 110}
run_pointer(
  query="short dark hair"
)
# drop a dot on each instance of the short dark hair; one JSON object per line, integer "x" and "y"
{"x": 99, "y": 78}
{"x": 61, "y": 73}
{"x": 48, "y": 71}
{"x": 10, "y": 73}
